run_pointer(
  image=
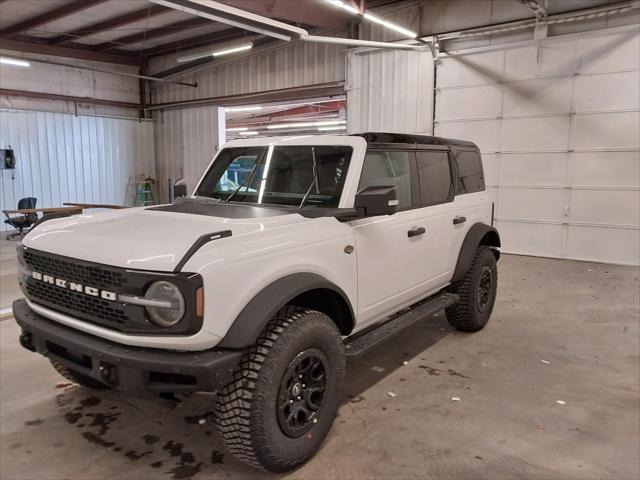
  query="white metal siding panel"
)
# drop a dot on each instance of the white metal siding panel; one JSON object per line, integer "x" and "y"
{"x": 64, "y": 158}
{"x": 186, "y": 141}
{"x": 391, "y": 91}
{"x": 291, "y": 65}
{"x": 560, "y": 137}
{"x": 77, "y": 82}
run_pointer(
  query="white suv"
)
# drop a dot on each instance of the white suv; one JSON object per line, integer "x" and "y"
{"x": 292, "y": 254}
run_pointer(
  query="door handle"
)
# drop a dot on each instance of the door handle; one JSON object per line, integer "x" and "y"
{"x": 459, "y": 220}
{"x": 416, "y": 231}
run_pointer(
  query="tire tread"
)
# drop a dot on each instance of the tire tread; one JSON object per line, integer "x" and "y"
{"x": 461, "y": 315}
{"x": 234, "y": 400}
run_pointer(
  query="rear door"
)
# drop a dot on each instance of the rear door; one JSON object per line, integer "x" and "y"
{"x": 472, "y": 203}
{"x": 438, "y": 209}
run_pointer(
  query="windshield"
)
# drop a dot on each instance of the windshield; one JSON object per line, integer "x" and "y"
{"x": 290, "y": 175}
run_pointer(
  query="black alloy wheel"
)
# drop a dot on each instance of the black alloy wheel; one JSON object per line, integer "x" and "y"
{"x": 302, "y": 392}
{"x": 485, "y": 288}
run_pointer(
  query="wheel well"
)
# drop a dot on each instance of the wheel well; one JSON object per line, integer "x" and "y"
{"x": 491, "y": 239}
{"x": 330, "y": 303}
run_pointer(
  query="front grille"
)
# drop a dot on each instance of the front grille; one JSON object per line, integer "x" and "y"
{"x": 113, "y": 314}
{"x": 96, "y": 276}
{"x": 87, "y": 307}
{"x": 96, "y": 310}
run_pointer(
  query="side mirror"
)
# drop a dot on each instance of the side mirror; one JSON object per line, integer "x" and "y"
{"x": 376, "y": 201}
{"x": 180, "y": 188}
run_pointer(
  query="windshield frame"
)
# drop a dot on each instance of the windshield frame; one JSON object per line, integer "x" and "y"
{"x": 358, "y": 144}
{"x": 263, "y": 154}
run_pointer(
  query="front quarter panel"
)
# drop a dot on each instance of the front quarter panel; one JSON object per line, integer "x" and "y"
{"x": 234, "y": 270}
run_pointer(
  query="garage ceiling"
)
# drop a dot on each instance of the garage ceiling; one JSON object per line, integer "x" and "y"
{"x": 132, "y": 31}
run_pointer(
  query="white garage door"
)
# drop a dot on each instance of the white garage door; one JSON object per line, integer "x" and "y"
{"x": 559, "y": 127}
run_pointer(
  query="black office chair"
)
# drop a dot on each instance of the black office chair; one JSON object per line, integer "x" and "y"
{"x": 23, "y": 221}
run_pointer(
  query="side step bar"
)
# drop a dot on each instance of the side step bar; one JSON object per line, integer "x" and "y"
{"x": 371, "y": 339}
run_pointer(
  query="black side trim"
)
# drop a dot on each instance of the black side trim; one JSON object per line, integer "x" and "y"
{"x": 206, "y": 238}
{"x": 257, "y": 313}
{"x": 340, "y": 214}
{"x": 471, "y": 242}
{"x": 383, "y": 331}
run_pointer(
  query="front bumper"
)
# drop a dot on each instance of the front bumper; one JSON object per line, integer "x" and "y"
{"x": 124, "y": 367}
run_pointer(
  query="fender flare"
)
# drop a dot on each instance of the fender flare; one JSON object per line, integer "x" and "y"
{"x": 478, "y": 234}
{"x": 256, "y": 314}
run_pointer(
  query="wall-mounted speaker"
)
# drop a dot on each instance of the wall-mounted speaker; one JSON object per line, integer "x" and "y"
{"x": 7, "y": 159}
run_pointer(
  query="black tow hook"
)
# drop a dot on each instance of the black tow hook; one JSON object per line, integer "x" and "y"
{"x": 27, "y": 341}
{"x": 108, "y": 373}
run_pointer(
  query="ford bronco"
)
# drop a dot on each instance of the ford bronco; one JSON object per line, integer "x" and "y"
{"x": 292, "y": 254}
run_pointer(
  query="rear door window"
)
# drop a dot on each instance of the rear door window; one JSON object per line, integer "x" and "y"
{"x": 470, "y": 176}
{"x": 434, "y": 173}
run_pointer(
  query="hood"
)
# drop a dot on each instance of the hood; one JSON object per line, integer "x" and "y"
{"x": 151, "y": 238}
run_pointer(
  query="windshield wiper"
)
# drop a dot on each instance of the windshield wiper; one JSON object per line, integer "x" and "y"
{"x": 314, "y": 181}
{"x": 244, "y": 184}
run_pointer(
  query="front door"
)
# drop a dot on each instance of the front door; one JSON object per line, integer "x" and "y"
{"x": 405, "y": 256}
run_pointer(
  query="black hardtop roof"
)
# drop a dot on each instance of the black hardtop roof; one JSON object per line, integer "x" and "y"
{"x": 406, "y": 138}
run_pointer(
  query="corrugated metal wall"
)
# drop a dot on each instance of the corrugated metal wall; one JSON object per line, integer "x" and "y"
{"x": 390, "y": 91}
{"x": 186, "y": 140}
{"x": 71, "y": 81}
{"x": 286, "y": 66}
{"x": 64, "y": 158}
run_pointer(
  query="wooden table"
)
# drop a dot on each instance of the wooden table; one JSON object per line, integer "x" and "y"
{"x": 94, "y": 205}
{"x": 72, "y": 210}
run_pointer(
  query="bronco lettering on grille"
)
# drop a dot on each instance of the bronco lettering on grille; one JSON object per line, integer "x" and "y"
{"x": 77, "y": 287}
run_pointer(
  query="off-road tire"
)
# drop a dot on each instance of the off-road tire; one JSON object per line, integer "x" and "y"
{"x": 77, "y": 377}
{"x": 467, "y": 315}
{"x": 247, "y": 413}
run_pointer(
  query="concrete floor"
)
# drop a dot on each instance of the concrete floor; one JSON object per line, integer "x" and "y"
{"x": 581, "y": 318}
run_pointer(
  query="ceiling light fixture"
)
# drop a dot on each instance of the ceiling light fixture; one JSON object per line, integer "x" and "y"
{"x": 14, "y": 61}
{"x": 237, "y": 129}
{"x": 216, "y": 53}
{"x": 227, "y": 51}
{"x": 248, "y": 133}
{"x": 389, "y": 25}
{"x": 344, "y": 6}
{"x": 373, "y": 18}
{"x": 306, "y": 124}
{"x": 242, "y": 109}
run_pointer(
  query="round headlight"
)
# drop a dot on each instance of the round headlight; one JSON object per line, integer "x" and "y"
{"x": 169, "y": 294}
